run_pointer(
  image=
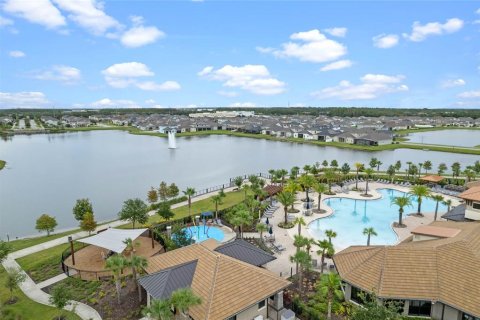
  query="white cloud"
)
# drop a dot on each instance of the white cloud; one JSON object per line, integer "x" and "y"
{"x": 453, "y": 83}
{"x": 42, "y": 12}
{"x": 150, "y": 101}
{"x": 310, "y": 46}
{"x": 64, "y": 74}
{"x": 470, "y": 94}
{"x": 252, "y": 78}
{"x": 421, "y": 32}
{"x": 264, "y": 49}
{"x": 371, "y": 86}
{"x": 5, "y": 22}
{"x": 109, "y": 103}
{"x": 23, "y": 100}
{"x": 337, "y": 65}
{"x": 139, "y": 35}
{"x": 337, "y": 32}
{"x": 123, "y": 75}
{"x": 385, "y": 41}
{"x": 242, "y": 105}
{"x": 89, "y": 15}
{"x": 229, "y": 94}
{"x": 16, "y": 54}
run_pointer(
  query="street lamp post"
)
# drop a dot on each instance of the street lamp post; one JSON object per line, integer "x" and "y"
{"x": 72, "y": 251}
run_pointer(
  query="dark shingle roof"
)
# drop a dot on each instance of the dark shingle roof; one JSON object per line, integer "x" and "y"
{"x": 160, "y": 285}
{"x": 456, "y": 214}
{"x": 246, "y": 252}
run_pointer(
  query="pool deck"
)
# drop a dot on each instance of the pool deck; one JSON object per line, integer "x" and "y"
{"x": 282, "y": 264}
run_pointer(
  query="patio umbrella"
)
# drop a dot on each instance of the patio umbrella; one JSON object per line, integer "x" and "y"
{"x": 270, "y": 231}
{"x": 267, "y": 222}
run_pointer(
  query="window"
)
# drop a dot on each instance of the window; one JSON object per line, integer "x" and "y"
{"x": 468, "y": 317}
{"x": 398, "y": 305}
{"x": 233, "y": 318}
{"x": 476, "y": 205}
{"x": 357, "y": 295}
{"x": 420, "y": 308}
{"x": 261, "y": 304}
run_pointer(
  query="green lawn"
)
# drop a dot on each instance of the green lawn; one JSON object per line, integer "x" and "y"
{"x": 231, "y": 199}
{"x": 26, "y": 308}
{"x": 45, "y": 264}
{"x": 28, "y": 242}
{"x": 2, "y": 164}
{"x": 406, "y": 131}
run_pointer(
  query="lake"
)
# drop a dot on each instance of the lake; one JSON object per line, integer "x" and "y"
{"x": 47, "y": 173}
{"x": 456, "y": 137}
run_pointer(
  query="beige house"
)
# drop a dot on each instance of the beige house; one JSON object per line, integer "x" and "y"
{"x": 228, "y": 278}
{"x": 472, "y": 203}
{"x": 434, "y": 273}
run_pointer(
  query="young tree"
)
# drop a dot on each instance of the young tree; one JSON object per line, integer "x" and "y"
{"x": 217, "y": 200}
{"x": 320, "y": 188}
{"x": 369, "y": 232}
{"x": 379, "y": 163}
{"x": 303, "y": 260}
{"x": 325, "y": 246}
{"x": 448, "y": 203}
{"x": 456, "y": 169}
{"x": 261, "y": 227}
{"x": 238, "y": 181}
{"x": 442, "y": 167}
{"x": 164, "y": 211}
{"x": 334, "y": 164}
{"x": 159, "y": 310}
{"x": 46, "y": 223}
{"x": 401, "y": 202}
{"x": 329, "y": 175}
{"x": 172, "y": 191}
{"x": 329, "y": 287}
{"x": 241, "y": 218}
{"x": 391, "y": 172}
{"x": 88, "y": 222}
{"x": 81, "y": 207}
{"x": 292, "y": 186}
{"x": 373, "y": 162}
{"x": 427, "y": 165}
{"x": 325, "y": 163}
{"x": 300, "y": 222}
{"x": 358, "y": 168}
{"x": 14, "y": 278}
{"x": 5, "y": 249}
{"x": 294, "y": 172}
{"x": 163, "y": 191}
{"x": 189, "y": 192}
{"x": 398, "y": 165}
{"x": 330, "y": 234}
{"x": 137, "y": 264}
{"x": 116, "y": 264}
{"x": 152, "y": 196}
{"x": 368, "y": 174}
{"x": 134, "y": 210}
{"x": 420, "y": 191}
{"x": 60, "y": 297}
{"x": 184, "y": 299}
{"x": 345, "y": 169}
{"x": 372, "y": 310}
{"x": 437, "y": 198}
{"x": 286, "y": 199}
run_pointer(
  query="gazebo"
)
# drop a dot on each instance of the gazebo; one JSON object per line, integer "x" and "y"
{"x": 433, "y": 178}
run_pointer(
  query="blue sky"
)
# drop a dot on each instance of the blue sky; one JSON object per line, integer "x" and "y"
{"x": 61, "y": 53}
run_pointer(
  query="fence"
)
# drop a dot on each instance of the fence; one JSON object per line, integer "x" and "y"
{"x": 229, "y": 184}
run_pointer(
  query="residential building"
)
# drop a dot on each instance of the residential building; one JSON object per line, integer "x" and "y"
{"x": 468, "y": 211}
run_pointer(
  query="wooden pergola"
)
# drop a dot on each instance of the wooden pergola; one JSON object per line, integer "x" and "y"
{"x": 433, "y": 178}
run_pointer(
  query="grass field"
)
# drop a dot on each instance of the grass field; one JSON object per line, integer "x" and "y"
{"x": 25, "y": 308}
{"x": 45, "y": 264}
{"x": 231, "y": 199}
{"x": 28, "y": 242}
{"x": 406, "y": 131}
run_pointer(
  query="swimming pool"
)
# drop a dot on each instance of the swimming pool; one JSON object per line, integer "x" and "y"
{"x": 202, "y": 233}
{"x": 350, "y": 217}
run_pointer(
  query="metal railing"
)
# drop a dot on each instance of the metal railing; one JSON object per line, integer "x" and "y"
{"x": 229, "y": 184}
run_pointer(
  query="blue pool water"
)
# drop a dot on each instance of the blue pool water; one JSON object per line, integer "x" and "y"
{"x": 350, "y": 217}
{"x": 202, "y": 233}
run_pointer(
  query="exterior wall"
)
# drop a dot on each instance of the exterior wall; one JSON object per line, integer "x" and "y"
{"x": 448, "y": 312}
{"x": 421, "y": 237}
{"x": 471, "y": 213}
{"x": 253, "y": 312}
{"x": 384, "y": 142}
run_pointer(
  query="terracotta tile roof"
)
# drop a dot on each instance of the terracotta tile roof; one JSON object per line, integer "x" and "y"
{"x": 444, "y": 270}
{"x": 226, "y": 285}
{"x": 440, "y": 232}
{"x": 471, "y": 194}
{"x": 432, "y": 178}
{"x": 272, "y": 189}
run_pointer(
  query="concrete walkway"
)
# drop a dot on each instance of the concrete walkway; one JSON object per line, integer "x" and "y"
{"x": 52, "y": 280}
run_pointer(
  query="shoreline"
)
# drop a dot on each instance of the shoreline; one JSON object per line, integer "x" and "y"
{"x": 392, "y": 146}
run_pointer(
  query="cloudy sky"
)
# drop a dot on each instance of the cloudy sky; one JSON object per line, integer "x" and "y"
{"x": 87, "y": 53}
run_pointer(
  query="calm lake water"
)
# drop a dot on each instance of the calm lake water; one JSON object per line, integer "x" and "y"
{"x": 47, "y": 173}
{"x": 457, "y": 137}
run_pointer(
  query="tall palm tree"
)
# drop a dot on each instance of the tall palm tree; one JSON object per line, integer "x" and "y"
{"x": 325, "y": 246}
{"x": 189, "y": 192}
{"x": 379, "y": 163}
{"x": 320, "y": 188}
{"x": 137, "y": 264}
{"x": 184, "y": 299}
{"x": 282, "y": 173}
{"x": 420, "y": 191}
{"x": 299, "y": 242}
{"x": 309, "y": 242}
{"x": 116, "y": 264}
{"x": 294, "y": 172}
{"x": 401, "y": 202}
{"x": 300, "y": 222}
{"x": 358, "y": 167}
{"x": 427, "y": 165}
{"x": 368, "y": 173}
{"x": 369, "y": 232}
{"x": 437, "y": 198}
{"x": 240, "y": 219}
{"x": 292, "y": 186}
{"x": 159, "y": 310}
{"x": 306, "y": 181}
{"x": 217, "y": 199}
{"x": 330, "y": 234}
{"x": 286, "y": 199}
{"x": 448, "y": 203}
{"x": 261, "y": 227}
{"x": 329, "y": 286}
{"x": 303, "y": 260}
{"x": 329, "y": 175}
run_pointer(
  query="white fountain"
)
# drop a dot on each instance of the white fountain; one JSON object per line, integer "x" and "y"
{"x": 172, "y": 143}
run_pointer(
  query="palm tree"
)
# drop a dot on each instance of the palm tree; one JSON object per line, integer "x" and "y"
{"x": 286, "y": 199}
{"x": 420, "y": 191}
{"x": 159, "y": 310}
{"x": 184, "y": 299}
{"x": 137, "y": 264}
{"x": 216, "y": 199}
{"x": 320, "y": 188}
{"x": 261, "y": 227}
{"x": 330, "y": 287}
{"x": 299, "y": 242}
{"x": 368, "y": 173}
{"x": 358, "y": 167}
{"x": 448, "y": 203}
{"x": 302, "y": 259}
{"x": 369, "y": 232}
{"x": 189, "y": 192}
{"x": 329, "y": 175}
{"x": 294, "y": 172}
{"x": 325, "y": 246}
{"x": 306, "y": 181}
{"x": 437, "y": 198}
{"x": 245, "y": 189}
{"x": 379, "y": 163}
{"x": 300, "y": 222}
{"x": 391, "y": 172}
{"x": 282, "y": 173}
{"x": 330, "y": 234}
{"x": 309, "y": 242}
{"x": 401, "y": 202}
{"x": 116, "y": 264}
{"x": 240, "y": 219}
{"x": 292, "y": 187}
{"x": 409, "y": 163}
{"x": 427, "y": 165}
